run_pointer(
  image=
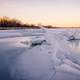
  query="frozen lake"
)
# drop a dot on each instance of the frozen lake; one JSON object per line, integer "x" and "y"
{"x": 58, "y": 58}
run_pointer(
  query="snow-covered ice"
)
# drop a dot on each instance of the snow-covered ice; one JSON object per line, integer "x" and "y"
{"x": 56, "y": 59}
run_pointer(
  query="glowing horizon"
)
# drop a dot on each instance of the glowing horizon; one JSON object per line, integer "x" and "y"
{"x": 64, "y": 13}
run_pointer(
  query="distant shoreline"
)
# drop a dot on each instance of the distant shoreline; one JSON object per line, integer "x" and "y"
{"x": 7, "y": 23}
{"x": 18, "y": 28}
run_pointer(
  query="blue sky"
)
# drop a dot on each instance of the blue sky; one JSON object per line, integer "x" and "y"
{"x": 53, "y": 12}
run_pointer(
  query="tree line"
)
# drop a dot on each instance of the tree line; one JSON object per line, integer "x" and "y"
{"x": 8, "y": 23}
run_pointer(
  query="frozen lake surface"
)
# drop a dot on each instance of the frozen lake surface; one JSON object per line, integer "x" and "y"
{"x": 58, "y": 58}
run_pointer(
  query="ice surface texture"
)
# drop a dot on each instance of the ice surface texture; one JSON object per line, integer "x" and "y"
{"x": 54, "y": 60}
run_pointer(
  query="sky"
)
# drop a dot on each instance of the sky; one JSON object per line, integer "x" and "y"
{"x": 61, "y": 13}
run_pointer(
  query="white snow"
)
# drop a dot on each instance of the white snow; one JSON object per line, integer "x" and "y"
{"x": 57, "y": 59}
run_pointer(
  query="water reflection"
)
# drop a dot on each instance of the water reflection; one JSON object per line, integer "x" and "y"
{"x": 75, "y": 45}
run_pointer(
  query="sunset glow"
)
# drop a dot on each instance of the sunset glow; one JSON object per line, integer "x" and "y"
{"x": 63, "y": 13}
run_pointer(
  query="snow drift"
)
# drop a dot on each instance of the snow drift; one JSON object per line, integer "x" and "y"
{"x": 56, "y": 59}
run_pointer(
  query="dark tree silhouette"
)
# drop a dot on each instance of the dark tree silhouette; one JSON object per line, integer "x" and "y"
{"x": 8, "y": 23}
